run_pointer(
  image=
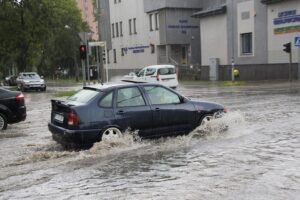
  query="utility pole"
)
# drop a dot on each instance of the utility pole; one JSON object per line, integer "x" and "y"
{"x": 232, "y": 47}
{"x": 288, "y": 49}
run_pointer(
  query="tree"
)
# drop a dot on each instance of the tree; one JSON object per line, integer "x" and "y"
{"x": 33, "y": 34}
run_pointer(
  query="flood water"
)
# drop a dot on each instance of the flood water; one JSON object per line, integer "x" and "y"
{"x": 258, "y": 157}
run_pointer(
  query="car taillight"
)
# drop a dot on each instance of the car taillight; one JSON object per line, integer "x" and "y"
{"x": 20, "y": 97}
{"x": 157, "y": 76}
{"x": 73, "y": 119}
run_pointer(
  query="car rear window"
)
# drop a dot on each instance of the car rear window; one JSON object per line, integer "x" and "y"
{"x": 166, "y": 71}
{"x": 83, "y": 96}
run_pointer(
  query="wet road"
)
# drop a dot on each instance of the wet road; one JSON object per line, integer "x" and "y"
{"x": 257, "y": 158}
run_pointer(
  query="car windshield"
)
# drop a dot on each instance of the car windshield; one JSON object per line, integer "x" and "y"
{"x": 83, "y": 96}
{"x": 31, "y": 76}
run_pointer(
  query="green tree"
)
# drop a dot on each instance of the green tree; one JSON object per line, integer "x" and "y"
{"x": 34, "y": 34}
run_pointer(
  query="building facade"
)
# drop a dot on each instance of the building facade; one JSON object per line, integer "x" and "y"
{"x": 148, "y": 32}
{"x": 87, "y": 12}
{"x": 250, "y": 35}
{"x": 203, "y": 38}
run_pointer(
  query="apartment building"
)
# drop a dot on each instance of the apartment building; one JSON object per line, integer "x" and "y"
{"x": 87, "y": 12}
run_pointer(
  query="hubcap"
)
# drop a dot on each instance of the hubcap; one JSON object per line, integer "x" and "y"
{"x": 206, "y": 120}
{"x": 111, "y": 134}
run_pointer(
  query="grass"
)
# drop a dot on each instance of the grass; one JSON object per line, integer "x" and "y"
{"x": 65, "y": 93}
{"x": 216, "y": 83}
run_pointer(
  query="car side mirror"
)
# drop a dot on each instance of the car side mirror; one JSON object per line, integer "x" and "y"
{"x": 42, "y": 77}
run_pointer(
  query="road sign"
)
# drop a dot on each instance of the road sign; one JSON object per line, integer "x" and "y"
{"x": 297, "y": 41}
{"x": 99, "y": 43}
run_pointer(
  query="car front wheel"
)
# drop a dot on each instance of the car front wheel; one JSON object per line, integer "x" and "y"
{"x": 3, "y": 122}
{"x": 111, "y": 134}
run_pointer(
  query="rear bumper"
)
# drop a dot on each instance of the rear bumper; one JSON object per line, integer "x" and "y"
{"x": 33, "y": 86}
{"x": 19, "y": 116}
{"x": 69, "y": 137}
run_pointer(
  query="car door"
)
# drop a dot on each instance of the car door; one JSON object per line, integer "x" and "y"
{"x": 132, "y": 111}
{"x": 171, "y": 114}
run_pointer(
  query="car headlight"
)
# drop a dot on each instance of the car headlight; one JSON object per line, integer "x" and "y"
{"x": 42, "y": 81}
{"x": 25, "y": 81}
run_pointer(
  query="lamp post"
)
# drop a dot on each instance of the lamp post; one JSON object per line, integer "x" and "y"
{"x": 232, "y": 43}
{"x": 74, "y": 57}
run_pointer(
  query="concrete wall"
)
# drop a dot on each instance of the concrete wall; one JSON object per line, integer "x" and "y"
{"x": 104, "y": 23}
{"x": 214, "y": 39}
{"x": 152, "y": 5}
{"x": 247, "y": 72}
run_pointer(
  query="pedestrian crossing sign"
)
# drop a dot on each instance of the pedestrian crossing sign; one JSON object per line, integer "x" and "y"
{"x": 297, "y": 41}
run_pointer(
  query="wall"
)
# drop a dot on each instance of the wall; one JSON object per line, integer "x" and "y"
{"x": 277, "y": 39}
{"x": 138, "y": 52}
{"x": 214, "y": 38}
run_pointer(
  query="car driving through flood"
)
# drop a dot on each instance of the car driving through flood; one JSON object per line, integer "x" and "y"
{"x": 104, "y": 112}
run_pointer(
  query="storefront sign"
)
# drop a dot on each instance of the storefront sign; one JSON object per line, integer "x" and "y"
{"x": 138, "y": 49}
{"x": 284, "y": 18}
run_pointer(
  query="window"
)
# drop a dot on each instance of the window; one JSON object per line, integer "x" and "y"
{"x": 141, "y": 73}
{"x": 107, "y": 101}
{"x": 159, "y": 95}
{"x": 130, "y": 31}
{"x": 150, "y": 71}
{"x": 129, "y": 97}
{"x": 150, "y": 22}
{"x": 117, "y": 30}
{"x": 134, "y": 26}
{"x": 113, "y": 30}
{"x": 83, "y": 96}
{"x": 115, "y": 56}
{"x": 156, "y": 21}
{"x": 166, "y": 71}
{"x": 246, "y": 40}
{"x": 121, "y": 29}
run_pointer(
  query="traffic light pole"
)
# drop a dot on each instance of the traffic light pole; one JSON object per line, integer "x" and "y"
{"x": 290, "y": 66}
{"x": 83, "y": 72}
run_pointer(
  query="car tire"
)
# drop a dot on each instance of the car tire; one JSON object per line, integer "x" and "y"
{"x": 3, "y": 122}
{"x": 205, "y": 120}
{"x": 111, "y": 134}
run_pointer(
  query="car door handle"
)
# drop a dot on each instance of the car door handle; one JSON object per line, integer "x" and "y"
{"x": 157, "y": 109}
{"x": 121, "y": 112}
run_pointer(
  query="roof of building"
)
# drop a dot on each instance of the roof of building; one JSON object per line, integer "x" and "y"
{"x": 271, "y": 1}
{"x": 211, "y": 11}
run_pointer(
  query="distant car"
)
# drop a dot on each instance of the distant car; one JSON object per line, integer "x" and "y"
{"x": 12, "y": 108}
{"x": 98, "y": 113}
{"x": 30, "y": 80}
{"x": 10, "y": 80}
{"x": 162, "y": 74}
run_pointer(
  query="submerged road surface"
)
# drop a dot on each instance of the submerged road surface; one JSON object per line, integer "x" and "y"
{"x": 258, "y": 157}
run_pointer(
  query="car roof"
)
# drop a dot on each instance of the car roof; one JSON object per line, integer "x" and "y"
{"x": 111, "y": 85}
{"x": 160, "y": 66}
{"x": 28, "y": 73}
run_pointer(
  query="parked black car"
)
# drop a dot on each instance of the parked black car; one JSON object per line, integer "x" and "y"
{"x": 12, "y": 108}
{"x": 98, "y": 113}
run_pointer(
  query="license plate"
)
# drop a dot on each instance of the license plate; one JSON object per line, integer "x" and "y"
{"x": 59, "y": 117}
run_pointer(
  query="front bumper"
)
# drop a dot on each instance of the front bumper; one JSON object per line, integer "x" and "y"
{"x": 77, "y": 138}
{"x": 33, "y": 86}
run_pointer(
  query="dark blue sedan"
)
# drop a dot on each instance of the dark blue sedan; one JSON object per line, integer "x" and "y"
{"x": 104, "y": 112}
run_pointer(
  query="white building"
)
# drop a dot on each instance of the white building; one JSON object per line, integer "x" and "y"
{"x": 147, "y": 32}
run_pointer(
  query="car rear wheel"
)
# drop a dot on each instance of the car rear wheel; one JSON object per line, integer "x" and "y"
{"x": 3, "y": 122}
{"x": 111, "y": 134}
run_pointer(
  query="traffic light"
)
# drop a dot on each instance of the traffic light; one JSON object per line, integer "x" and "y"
{"x": 287, "y": 47}
{"x": 82, "y": 50}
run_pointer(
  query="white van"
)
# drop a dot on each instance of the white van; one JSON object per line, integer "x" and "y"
{"x": 163, "y": 74}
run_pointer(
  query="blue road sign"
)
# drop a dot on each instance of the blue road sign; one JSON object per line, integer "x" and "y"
{"x": 297, "y": 41}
